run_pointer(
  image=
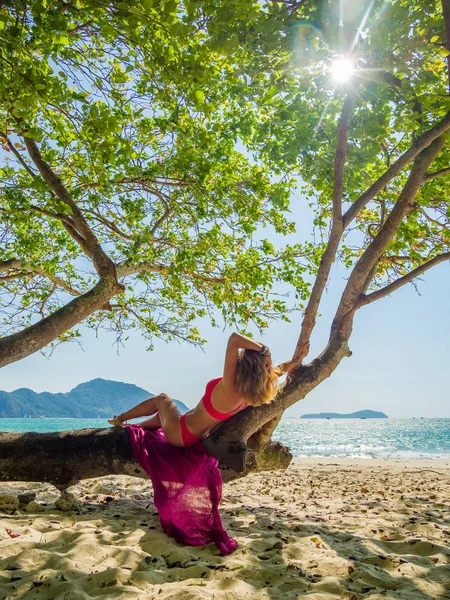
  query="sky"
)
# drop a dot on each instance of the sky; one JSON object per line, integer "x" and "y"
{"x": 400, "y": 361}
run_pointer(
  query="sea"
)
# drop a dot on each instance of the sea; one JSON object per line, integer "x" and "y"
{"x": 332, "y": 438}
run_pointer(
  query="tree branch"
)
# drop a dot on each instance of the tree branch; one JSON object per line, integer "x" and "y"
{"x": 58, "y": 281}
{"x": 28, "y": 271}
{"x": 103, "y": 264}
{"x": 309, "y": 319}
{"x": 358, "y": 280}
{"x": 339, "y": 159}
{"x": 66, "y": 6}
{"x": 388, "y": 289}
{"x": 396, "y": 259}
{"x": 18, "y": 155}
{"x": 79, "y": 28}
{"x": 161, "y": 219}
{"x": 168, "y": 182}
{"x": 19, "y": 345}
{"x": 420, "y": 144}
{"x": 11, "y": 263}
{"x": 430, "y": 176}
{"x": 427, "y": 216}
{"x": 12, "y": 276}
{"x": 48, "y": 213}
{"x": 77, "y": 237}
{"x": 124, "y": 269}
{"x": 45, "y": 300}
{"x": 111, "y": 226}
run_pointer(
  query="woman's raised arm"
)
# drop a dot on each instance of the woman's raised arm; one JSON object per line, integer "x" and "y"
{"x": 242, "y": 341}
{"x": 236, "y": 341}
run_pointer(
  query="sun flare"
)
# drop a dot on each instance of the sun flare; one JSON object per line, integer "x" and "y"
{"x": 342, "y": 69}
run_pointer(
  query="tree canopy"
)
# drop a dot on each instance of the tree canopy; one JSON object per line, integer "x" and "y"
{"x": 148, "y": 144}
{"x": 120, "y": 126}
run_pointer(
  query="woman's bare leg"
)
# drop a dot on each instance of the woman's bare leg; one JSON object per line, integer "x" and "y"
{"x": 169, "y": 415}
{"x": 152, "y": 423}
{"x": 144, "y": 409}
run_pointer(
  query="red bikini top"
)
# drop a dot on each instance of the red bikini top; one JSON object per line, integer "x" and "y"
{"x": 215, "y": 414}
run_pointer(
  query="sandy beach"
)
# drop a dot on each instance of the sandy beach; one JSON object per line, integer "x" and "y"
{"x": 324, "y": 529}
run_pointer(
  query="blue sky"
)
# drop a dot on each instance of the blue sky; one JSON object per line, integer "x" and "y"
{"x": 400, "y": 362}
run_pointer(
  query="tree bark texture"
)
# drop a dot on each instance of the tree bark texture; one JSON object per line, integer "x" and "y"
{"x": 64, "y": 458}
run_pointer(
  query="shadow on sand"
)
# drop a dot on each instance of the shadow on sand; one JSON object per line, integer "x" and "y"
{"x": 293, "y": 543}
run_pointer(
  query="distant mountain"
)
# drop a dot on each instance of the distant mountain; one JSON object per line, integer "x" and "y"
{"x": 360, "y": 414}
{"x": 99, "y": 397}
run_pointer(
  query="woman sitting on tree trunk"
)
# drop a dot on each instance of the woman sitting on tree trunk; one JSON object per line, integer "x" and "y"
{"x": 249, "y": 379}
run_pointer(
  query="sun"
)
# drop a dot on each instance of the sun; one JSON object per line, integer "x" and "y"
{"x": 342, "y": 69}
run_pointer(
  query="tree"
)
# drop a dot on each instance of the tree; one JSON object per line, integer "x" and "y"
{"x": 122, "y": 178}
{"x": 371, "y": 154}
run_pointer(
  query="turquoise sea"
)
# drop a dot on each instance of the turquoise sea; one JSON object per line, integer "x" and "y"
{"x": 337, "y": 438}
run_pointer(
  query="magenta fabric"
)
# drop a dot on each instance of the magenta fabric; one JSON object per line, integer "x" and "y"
{"x": 187, "y": 488}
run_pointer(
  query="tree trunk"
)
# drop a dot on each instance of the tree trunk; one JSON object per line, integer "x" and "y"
{"x": 64, "y": 458}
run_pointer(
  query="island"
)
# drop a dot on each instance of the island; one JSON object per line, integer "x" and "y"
{"x": 100, "y": 398}
{"x": 360, "y": 414}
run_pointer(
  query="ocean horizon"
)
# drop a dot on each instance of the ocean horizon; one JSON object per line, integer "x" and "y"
{"x": 413, "y": 438}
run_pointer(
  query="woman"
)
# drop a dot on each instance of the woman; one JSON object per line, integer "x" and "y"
{"x": 249, "y": 379}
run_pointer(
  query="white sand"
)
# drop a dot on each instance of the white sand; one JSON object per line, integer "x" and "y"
{"x": 324, "y": 529}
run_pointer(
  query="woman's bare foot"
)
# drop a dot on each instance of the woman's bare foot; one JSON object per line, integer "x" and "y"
{"x": 116, "y": 421}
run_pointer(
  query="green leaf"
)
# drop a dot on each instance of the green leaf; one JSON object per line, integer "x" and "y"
{"x": 199, "y": 96}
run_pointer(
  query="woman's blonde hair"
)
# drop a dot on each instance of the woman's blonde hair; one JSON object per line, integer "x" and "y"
{"x": 256, "y": 382}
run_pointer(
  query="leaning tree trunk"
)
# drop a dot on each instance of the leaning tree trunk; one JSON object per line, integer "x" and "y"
{"x": 64, "y": 458}
{"x": 242, "y": 444}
